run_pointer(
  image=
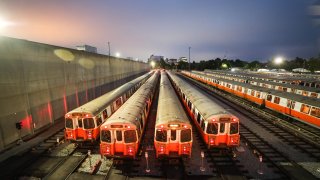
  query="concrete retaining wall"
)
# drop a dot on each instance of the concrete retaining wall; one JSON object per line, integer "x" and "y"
{"x": 39, "y": 83}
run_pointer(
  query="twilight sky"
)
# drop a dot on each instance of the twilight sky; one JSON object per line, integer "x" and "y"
{"x": 244, "y": 29}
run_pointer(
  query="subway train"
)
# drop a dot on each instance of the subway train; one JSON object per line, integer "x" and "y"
{"x": 218, "y": 127}
{"x": 83, "y": 123}
{"x": 121, "y": 134}
{"x": 306, "y": 80}
{"x": 302, "y": 108}
{"x": 266, "y": 83}
{"x": 173, "y": 130}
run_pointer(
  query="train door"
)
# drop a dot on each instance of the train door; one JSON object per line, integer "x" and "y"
{"x": 173, "y": 140}
{"x": 222, "y": 135}
{"x": 118, "y": 144}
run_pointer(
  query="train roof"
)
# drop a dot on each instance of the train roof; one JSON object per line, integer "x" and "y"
{"x": 292, "y": 86}
{"x": 201, "y": 101}
{"x": 130, "y": 111}
{"x": 169, "y": 107}
{"x": 97, "y": 105}
{"x": 295, "y": 97}
{"x": 289, "y": 77}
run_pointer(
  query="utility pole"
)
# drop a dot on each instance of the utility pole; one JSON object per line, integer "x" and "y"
{"x": 109, "y": 49}
{"x": 189, "y": 57}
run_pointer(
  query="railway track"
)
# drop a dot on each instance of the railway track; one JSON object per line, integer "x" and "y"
{"x": 309, "y": 151}
{"x": 15, "y": 166}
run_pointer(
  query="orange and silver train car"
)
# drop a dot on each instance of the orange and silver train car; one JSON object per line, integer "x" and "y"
{"x": 299, "y": 107}
{"x": 121, "y": 133}
{"x": 83, "y": 123}
{"x": 291, "y": 88}
{"x": 218, "y": 128}
{"x": 173, "y": 131}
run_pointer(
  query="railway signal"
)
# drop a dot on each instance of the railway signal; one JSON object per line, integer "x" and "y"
{"x": 19, "y": 125}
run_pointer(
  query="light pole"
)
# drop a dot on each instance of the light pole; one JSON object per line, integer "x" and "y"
{"x": 189, "y": 57}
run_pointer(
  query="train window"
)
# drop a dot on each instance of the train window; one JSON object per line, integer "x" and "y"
{"x": 252, "y": 92}
{"x": 130, "y": 136}
{"x": 203, "y": 126}
{"x": 199, "y": 118}
{"x": 288, "y": 103}
{"x": 315, "y": 112}
{"x": 304, "y": 93}
{"x": 239, "y": 88}
{"x": 189, "y": 104}
{"x": 88, "y": 123}
{"x": 105, "y": 114}
{"x": 106, "y": 136}
{"x": 184, "y": 97}
{"x": 212, "y": 128}
{"x": 80, "y": 123}
{"x": 276, "y": 100}
{"x": 147, "y": 106}
{"x": 118, "y": 102}
{"x": 161, "y": 135}
{"x": 258, "y": 94}
{"x": 185, "y": 135}
{"x": 222, "y": 127}
{"x": 293, "y": 103}
{"x": 234, "y": 128}
{"x": 69, "y": 123}
{"x": 119, "y": 135}
{"x": 269, "y": 97}
{"x": 99, "y": 120}
{"x": 285, "y": 89}
{"x": 173, "y": 134}
{"x": 305, "y": 108}
{"x": 313, "y": 94}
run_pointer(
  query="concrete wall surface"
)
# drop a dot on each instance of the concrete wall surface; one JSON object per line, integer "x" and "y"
{"x": 39, "y": 83}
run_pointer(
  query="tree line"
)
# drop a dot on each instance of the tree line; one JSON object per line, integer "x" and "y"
{"x": 311, "y": 64}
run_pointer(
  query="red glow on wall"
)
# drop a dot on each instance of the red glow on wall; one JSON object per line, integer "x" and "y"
{"x": 65, "y": 106}
{"x": 26, "y": 122}
{"x": 50, "y": 111}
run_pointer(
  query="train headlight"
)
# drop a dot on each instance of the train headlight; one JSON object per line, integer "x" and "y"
{"x": 90, "y": 134}
{"x": 130, "y": 150}
{"x": 234, "y": 140}
{"x": 161, "y": 149}
{"x": 211, "y": 141}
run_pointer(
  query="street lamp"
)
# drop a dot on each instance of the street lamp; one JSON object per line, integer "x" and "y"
{"x": 117, "y": 54}
{"x": 189, "y": 57}
{"x": 278, "y": 60}
{"x": 153, "y": 64}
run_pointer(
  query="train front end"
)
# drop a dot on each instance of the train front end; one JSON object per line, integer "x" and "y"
{"x": 173, "y": 140}
{"x": 119, "y": 140}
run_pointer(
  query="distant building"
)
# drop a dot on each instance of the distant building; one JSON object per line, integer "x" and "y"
{"x": 155, "y": 58}
{"x": 173, "y": 61}
{"x": 87, "y": 48}
{"x": 184, "y": 59}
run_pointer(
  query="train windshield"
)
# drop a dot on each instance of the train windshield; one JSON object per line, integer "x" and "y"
{"x": 130, "y": 136}
{"x": 106, "y": 136}
{"x": 186, "y": 135}
{"x": 69, "y": 123}
{"x": 88, "y": 123}
{"x": 233, "y": 128}
{"x": 161, "y": 135}
{"x": 212, "y": 128}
